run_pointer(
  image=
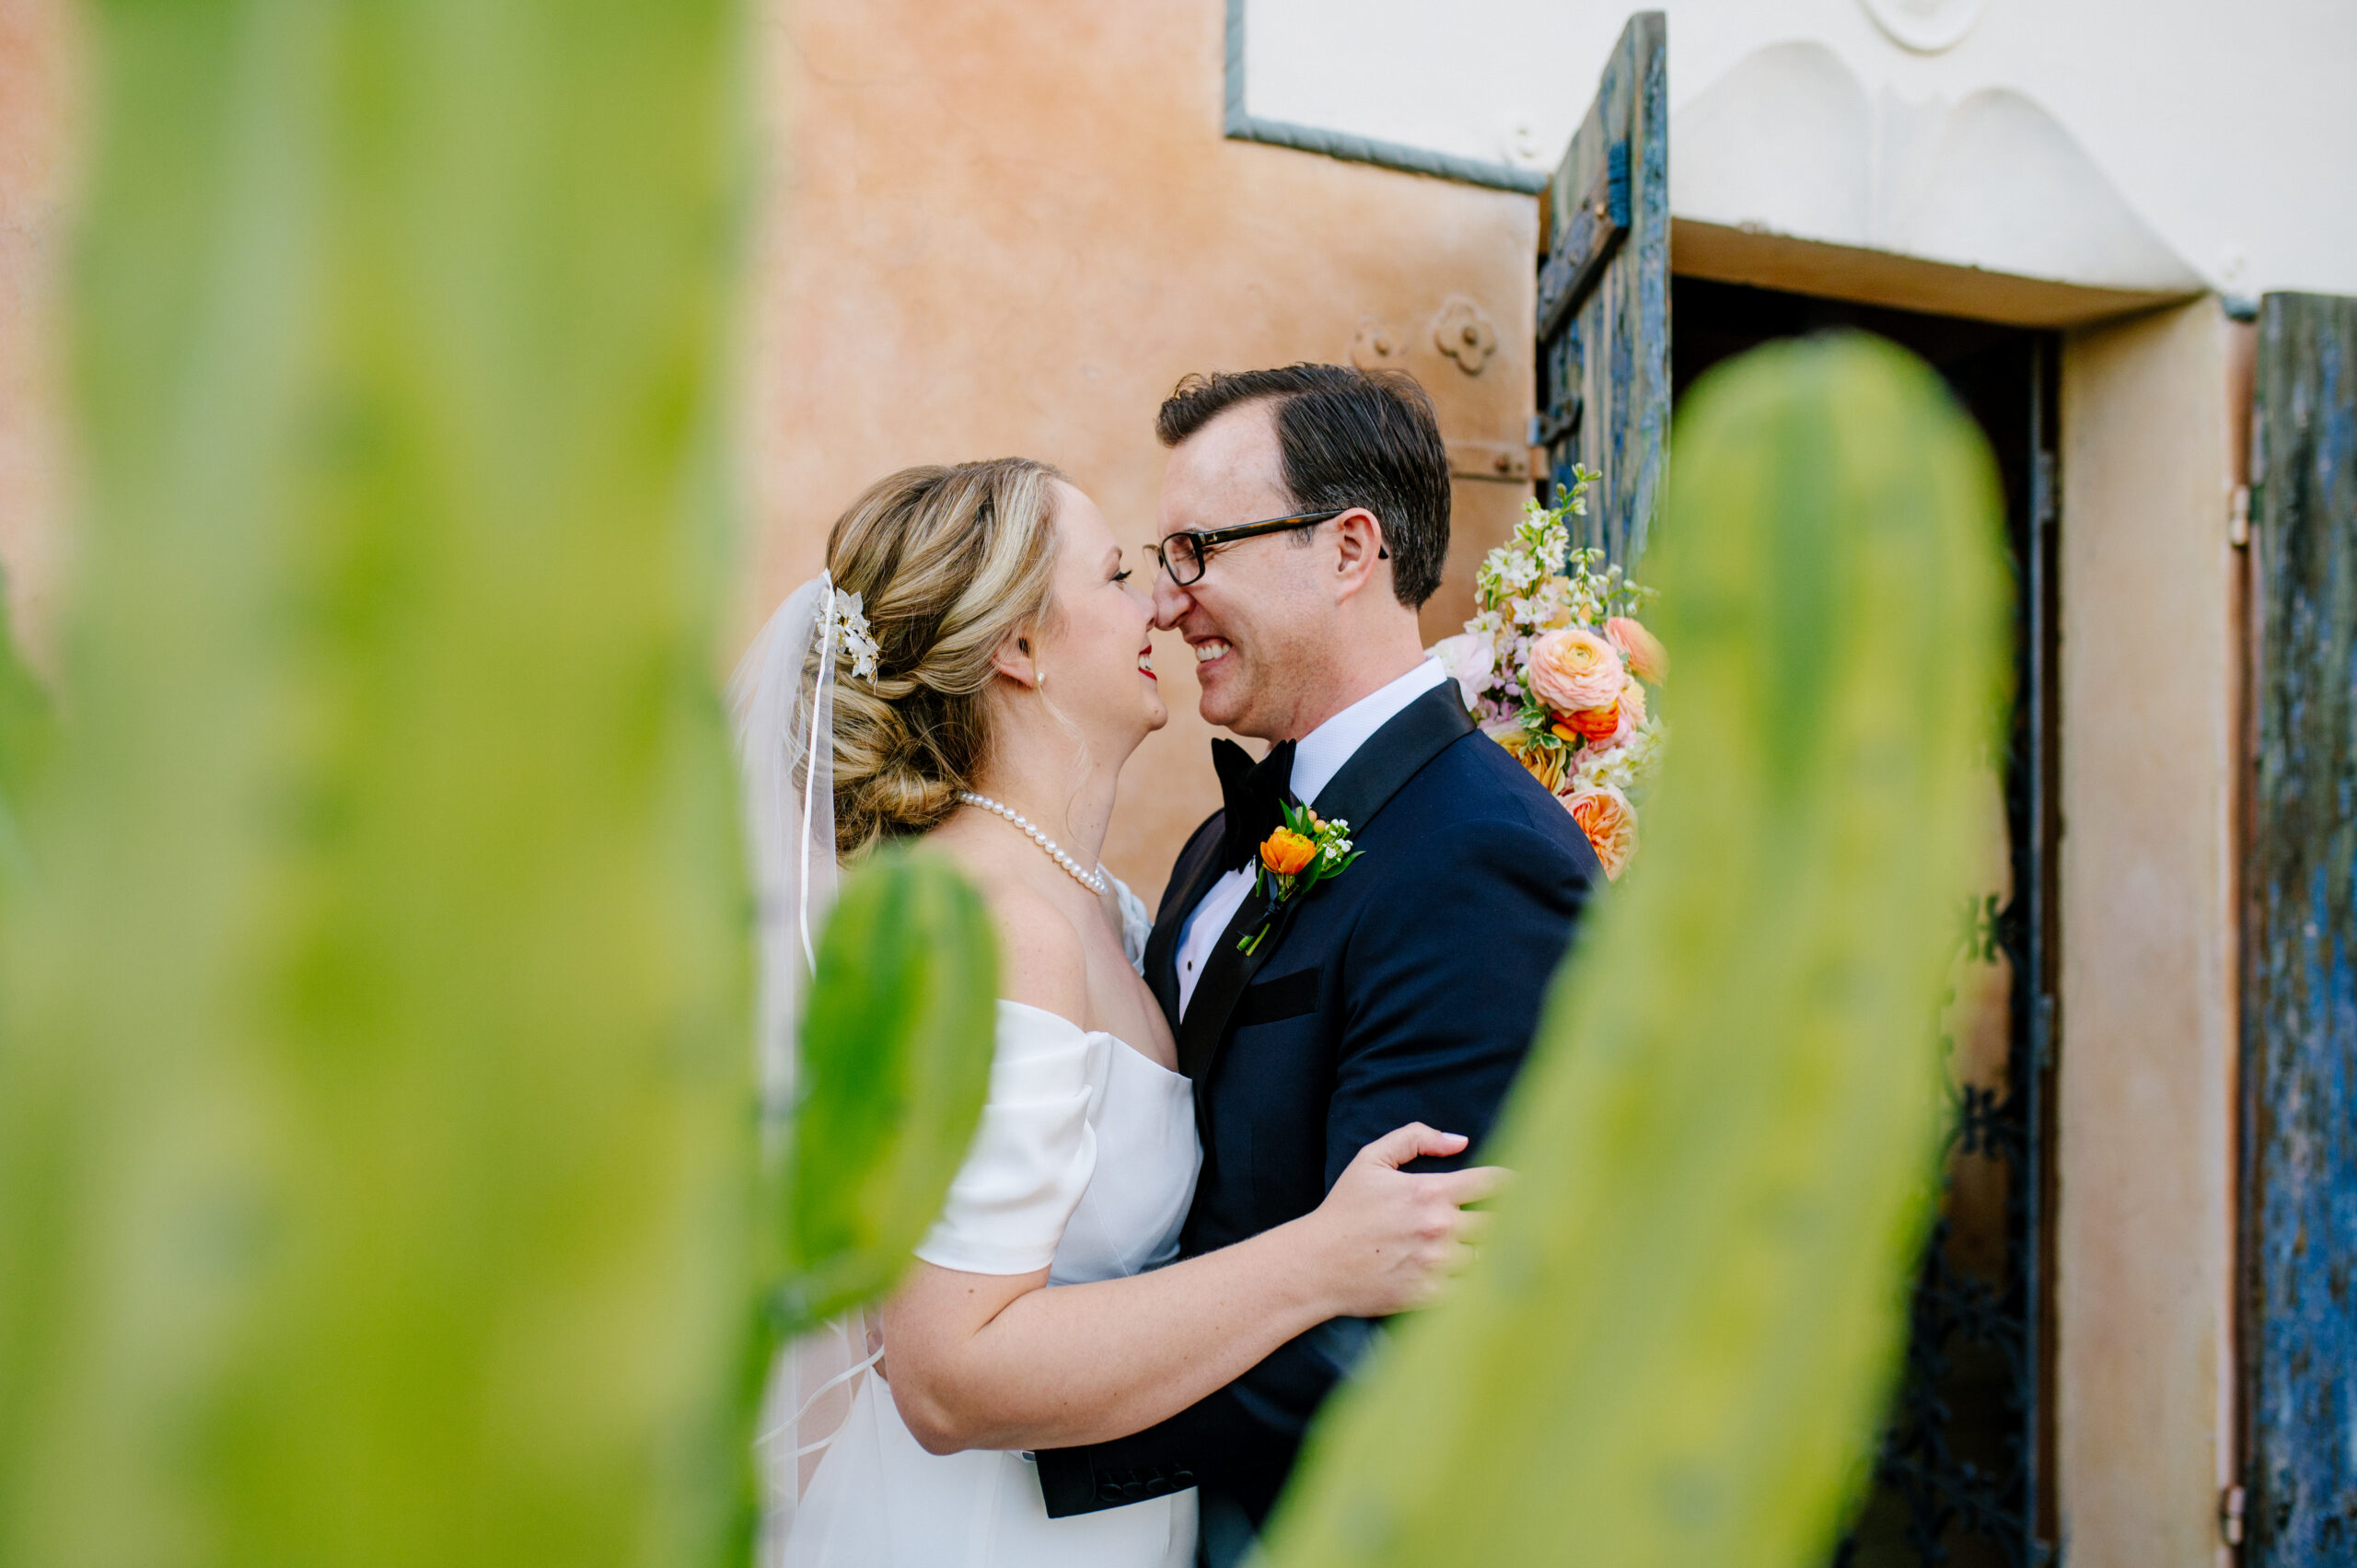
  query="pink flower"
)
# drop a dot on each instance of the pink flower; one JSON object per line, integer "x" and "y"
{"x": 1471, "y": 659}
{"x": 1647, "y": 658}
{"x": 1572, "y": 669}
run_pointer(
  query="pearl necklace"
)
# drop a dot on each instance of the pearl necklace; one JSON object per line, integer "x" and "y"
{"x": 1092, "y": 880}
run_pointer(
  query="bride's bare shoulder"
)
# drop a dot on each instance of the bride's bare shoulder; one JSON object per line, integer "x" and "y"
{"x": 1040, "y": 961}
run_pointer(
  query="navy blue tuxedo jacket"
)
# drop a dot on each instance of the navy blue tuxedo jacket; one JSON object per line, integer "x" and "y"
{"x": 1407, "y": 989}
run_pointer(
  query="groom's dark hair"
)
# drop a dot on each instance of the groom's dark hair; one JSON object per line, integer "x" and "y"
{"x": 1349, "y": 438}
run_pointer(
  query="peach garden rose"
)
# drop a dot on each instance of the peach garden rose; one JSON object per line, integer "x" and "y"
{"x": 1572, "y": 669}
{"x": 1610, "y": 824}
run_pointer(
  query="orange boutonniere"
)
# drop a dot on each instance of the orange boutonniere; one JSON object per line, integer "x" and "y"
{"x": 1295, "y": 859}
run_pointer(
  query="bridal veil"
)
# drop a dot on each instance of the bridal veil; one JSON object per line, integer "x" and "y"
{"x": 782, "y": 700}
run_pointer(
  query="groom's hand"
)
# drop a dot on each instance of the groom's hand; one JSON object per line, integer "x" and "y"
{"x": 1387, "y": 1238}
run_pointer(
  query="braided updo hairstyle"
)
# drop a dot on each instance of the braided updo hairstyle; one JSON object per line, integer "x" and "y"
{"x": 949, "y": 563}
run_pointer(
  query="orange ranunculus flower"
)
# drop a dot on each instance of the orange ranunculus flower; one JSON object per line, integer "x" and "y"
{"x": 1611, "y": 726}
{"x": 1286, "y": 852}
{"x": 1610, "y": 824}
{"x": 1595, "y": 725}
{"x": 1647, "y": 658}
{"x": 1571, "y": 668}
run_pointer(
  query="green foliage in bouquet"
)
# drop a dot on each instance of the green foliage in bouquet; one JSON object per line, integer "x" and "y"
{"x": 896, "y": 1055}
{"x": 1676, "y": 1347}
{"x": 375, "y": 1157}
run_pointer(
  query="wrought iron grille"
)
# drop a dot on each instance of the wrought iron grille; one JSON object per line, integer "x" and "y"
{"x": 1961, "y": 1480}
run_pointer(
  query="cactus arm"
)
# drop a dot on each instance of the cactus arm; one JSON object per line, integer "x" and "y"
{"x": 27, "y": 736}
{"x": 896, "y": 1054}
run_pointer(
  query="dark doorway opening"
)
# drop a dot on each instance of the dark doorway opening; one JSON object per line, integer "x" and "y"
{"x": 1966, "y": 1472}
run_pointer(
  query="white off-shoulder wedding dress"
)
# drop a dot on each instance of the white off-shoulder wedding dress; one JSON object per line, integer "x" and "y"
{"x": 1084, "y": 1163}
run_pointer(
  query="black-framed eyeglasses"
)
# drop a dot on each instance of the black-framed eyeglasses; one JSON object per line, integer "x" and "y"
{"x": 1184, "y": 554}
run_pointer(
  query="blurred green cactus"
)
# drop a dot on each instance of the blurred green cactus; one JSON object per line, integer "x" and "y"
{"x": 375, "y": 1155}
{"x": 896, "y": 1057}
{"x": 1676, "y": 1346}
{"x": 28, "y": 737}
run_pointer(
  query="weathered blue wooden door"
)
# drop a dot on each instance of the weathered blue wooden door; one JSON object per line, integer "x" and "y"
{"x": 2300, "y": 1010}
{"x": 1603, "y": 294}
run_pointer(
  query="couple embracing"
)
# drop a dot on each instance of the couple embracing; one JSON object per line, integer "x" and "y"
{"x": 1220, "y": 1144}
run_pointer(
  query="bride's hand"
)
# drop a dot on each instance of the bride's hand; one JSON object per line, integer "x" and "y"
{"x": 1386, "y": 1239}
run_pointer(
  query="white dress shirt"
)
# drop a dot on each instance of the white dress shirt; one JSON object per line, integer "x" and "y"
{"x": 1317, "y": 758}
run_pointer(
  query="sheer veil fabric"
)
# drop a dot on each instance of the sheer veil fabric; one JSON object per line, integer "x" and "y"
{"x": 782, "y": 700}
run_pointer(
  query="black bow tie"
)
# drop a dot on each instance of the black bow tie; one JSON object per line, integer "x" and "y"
{"x": 1253, "y": 792}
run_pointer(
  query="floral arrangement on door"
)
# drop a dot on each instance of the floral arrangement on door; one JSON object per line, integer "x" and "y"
{"x": 1557, "y": 669}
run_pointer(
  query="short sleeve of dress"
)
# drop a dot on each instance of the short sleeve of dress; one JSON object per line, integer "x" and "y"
{"x": 1033, "y": 1153}
{"x": 1137, "y": 924}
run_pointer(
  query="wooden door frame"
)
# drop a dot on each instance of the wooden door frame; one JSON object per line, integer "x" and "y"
{"x": 2142, "y": 1287}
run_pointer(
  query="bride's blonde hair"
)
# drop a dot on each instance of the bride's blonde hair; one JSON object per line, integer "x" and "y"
{"x": 949, "y": 563}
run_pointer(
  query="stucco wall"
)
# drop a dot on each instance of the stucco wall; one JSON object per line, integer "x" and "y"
{"x": 1011, "y": 227}
{"x": 2225, "y": 128}
{"x": 982, "y": 229}
{"x": 2144, "y": 1243}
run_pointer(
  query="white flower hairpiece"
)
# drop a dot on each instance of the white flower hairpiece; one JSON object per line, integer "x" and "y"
{"x": 851, "y": 620}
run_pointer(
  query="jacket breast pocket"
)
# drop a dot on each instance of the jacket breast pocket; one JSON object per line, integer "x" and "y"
{"x": 1292, "y": 995}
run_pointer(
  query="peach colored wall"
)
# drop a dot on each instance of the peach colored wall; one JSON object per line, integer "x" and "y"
{"x": 37, "y": 79}
{"x": 1006, "y": 227}
{"x": 991, "y": 229}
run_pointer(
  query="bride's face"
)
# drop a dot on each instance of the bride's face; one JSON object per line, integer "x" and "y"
{"x": 1096, "y": 651}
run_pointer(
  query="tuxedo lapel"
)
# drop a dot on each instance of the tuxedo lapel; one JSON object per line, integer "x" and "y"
{"x": 1226, "y": 974}
{"x": 1391, "y": 756}
{"x": 1198, "y": 867}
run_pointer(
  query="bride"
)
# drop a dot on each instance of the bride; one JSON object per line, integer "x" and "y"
{"x": 1008, "y": 679}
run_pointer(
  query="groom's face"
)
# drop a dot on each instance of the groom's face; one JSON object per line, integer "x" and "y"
{"x": 1256, "y": 619}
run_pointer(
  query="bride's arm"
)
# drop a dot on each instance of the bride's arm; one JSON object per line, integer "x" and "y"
{"x": 999, "y": 1361}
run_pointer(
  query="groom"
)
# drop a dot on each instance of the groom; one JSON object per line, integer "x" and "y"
{"x": 1304, "y": 518}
